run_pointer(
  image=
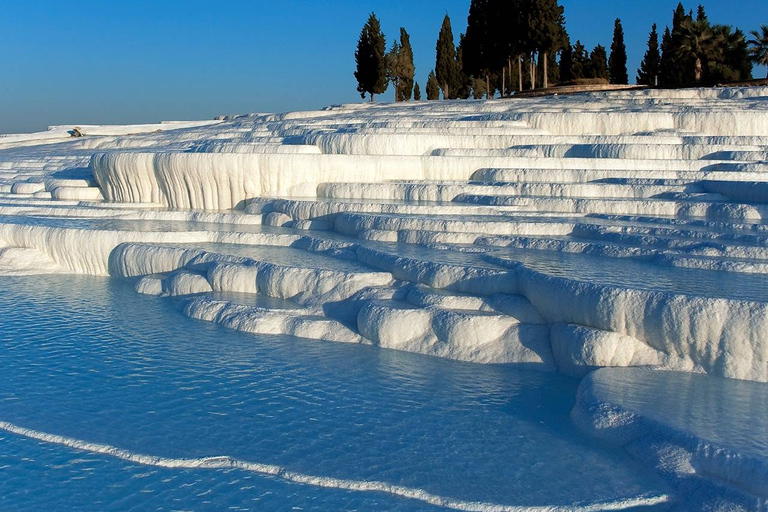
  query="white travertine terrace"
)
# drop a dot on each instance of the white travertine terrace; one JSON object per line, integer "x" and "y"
{"x": 561, "y": 233}
{"x": 572, "y": 234}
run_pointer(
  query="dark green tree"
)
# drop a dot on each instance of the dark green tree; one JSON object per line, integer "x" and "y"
{"x": 371, "y": 73}
{"x": 668, "y": 73}
{"x": 545, "y": 30}
{"x": 731, "y": 62}
{"x": 701, "y": 16}
{"x": 477, "y": 45}
{"x": 407, "y": 68}
{"x": 416, "y": 92}
{"x": 580, "y": 60}
{"x": 598, "y": 63}
{"x": 698, "y": 42}
{"x": 433, "y": 88}
{"x": 617, "y": 63}
{"x": 400, "y": 67}
{"x": 758, "y": 46}
{"x": 648, "y": 73}
{"x": 478, "y": 88}
{"x": 392, "y": 58}
{"x": 566, "y": 64}
{"x": 465, "y": 81}
{"x": 446, "y": 65}
{"x": 681, "y": 68}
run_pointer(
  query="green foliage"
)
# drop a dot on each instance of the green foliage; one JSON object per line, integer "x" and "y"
{"x": 679, "y": 69}
{"x": 617, "y": 63}
{"x": 371, "y": 73}
{"x": 446, "y": 65}
{"x": 648, "y": 72}
{"x": 501, "y": 31}
{"x": 416, "y": 92}
{"x": 464, "y": 80}
{"x": 731, "y": 61}
{"x": 400, "y": 68}
{"x": 479, "y": 88}
{"x": 598, "y": 63}
{"x": 433, "y": 88}
{"x": 477, "y": 45}
{"x": 668, "y": 72}
{"x": 758, "y": 46}
{"x": 566, "y": 64}
{"x": 698, "y": 42}
{"x": 546, "y": 25}
{"x": 579, "y": 61}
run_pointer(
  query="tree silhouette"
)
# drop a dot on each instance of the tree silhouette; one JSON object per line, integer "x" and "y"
{"x": 649, "y": 67}
{"x": 400, "y": 68}
{"x": 617, "y": 63}
{"x": 598, "y": 67}
{"x": 371, "y": 62}
{"x": 446, "y": 65}
{"x": 433, "y": 88}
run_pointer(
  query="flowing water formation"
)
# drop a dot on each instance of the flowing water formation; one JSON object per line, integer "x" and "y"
{"x": 560, "y": 234}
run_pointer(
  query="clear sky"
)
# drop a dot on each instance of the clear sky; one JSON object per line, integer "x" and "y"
{"x": 130, "y": 61}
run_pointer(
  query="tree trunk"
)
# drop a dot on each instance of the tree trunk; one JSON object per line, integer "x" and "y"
{"x": 519, "y": 73}
{"x": 533, "y": 71}
{"x": 503, "y": 81}
{"x": 445, "y": 91}
{"x": 487, "y": 87}
{"x": 697, "y": 71}
{"x": 546, "y": 79}
{"x": 509, "y": 64}
{"x": 372, "y": 97}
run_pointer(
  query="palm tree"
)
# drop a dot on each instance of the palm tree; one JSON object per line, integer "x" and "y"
{"x": 697, "y": 43}
{"x": 759, "y": 46}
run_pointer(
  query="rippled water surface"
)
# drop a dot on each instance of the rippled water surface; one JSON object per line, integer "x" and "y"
{"x": 88, "y": 358}
{"x": 735, "y": 416}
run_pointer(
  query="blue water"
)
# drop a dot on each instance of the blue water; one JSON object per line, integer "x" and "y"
{"x": 88, "y": 358}
{"x": 735, "y": 416}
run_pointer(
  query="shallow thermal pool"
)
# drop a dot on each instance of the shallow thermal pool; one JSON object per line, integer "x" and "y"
{"x": 87, "y": 360}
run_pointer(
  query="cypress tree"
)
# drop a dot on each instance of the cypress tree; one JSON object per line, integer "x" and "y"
{"x": 681, "y": 68}
{"x": 416, "y": 92}
{"x": 580, "y": 60}
{"x": 617, "y": 64}
{"x": 371, "y": 73}
{"x": 465, "y": 81}
{"x": 598, "y": 66}
{"x": 406, "y": 68}
{"x": 566, "y": 64}
{"x": 701, "y": 16}
{"x": 400, "y": 67}
{"x": 446, "y": 65}
{"x": 392, "y": 60}
{"x": 648, "y": 73}
{"x": 478, "y": 88}
{"x": 433, "y": 88}
{"x": 667, "y": 69}
{"x": 478, "y": 44}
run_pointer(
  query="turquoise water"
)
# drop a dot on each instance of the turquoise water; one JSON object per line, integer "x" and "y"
{"x": 89, "y": 359}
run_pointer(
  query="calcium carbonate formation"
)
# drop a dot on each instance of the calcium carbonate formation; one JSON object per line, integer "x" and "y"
{"x": 622, "y": 232}
{"x": 560, "y": 233}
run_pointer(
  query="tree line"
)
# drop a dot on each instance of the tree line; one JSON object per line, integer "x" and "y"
{"x": 512, "y": 45}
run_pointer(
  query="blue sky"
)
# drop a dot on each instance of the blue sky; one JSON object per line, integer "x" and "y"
{"x": 134, "y": 61}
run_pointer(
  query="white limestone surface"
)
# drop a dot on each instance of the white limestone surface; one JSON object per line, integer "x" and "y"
{"x": 425, "y": 208}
